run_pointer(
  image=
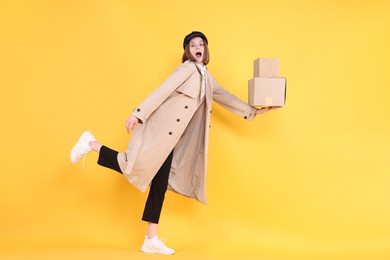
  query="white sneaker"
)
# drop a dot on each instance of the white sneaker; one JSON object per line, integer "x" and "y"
{"x": 155, "y": 245}
{"x": 82, "y": 147}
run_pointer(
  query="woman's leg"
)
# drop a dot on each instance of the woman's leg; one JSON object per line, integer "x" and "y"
{"x": 152, "y": 230}
{"x": 107, "y": 156}
{"x": 153, "y": 209}
{"x": 158, "y": 188}
{"x": 95, "y": 146}
{"x": 156, "y": 196}
{"x": 87, "y": 143}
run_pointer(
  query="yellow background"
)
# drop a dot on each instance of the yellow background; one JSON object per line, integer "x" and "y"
{"x": 310, "y": 180}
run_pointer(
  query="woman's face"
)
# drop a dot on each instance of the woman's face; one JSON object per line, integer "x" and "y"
{"x": 197, "y": 49}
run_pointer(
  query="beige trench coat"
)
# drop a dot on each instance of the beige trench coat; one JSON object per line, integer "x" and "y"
{"x": 175, "y": 117}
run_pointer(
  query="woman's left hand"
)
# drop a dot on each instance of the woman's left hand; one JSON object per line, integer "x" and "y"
{"x": 265, "y": 109}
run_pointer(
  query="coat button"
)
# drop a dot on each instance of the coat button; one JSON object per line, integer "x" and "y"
{"x": 170, "y": 133}
{"x": 138, "y": 109}
{"x": 186, "y": 107}
{"x": 245, "y": 117}
{"x": 178, "y": 120}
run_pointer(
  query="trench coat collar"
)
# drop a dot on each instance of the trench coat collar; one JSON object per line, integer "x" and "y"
{"x": 208, "y": 81}
{"x": 201, "y": 68}
{"x": 198, "y": 67}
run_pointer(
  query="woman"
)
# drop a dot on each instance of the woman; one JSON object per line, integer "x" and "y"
{"x": 168, "y": 148}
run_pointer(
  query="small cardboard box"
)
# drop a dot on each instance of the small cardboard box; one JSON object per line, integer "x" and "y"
{"x": 266, "y": 92}
{"x": 266, "y": 67}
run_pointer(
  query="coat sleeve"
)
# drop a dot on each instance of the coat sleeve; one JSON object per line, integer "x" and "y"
{"x": 231, "y": 102}
{"x": 158, "y": 96}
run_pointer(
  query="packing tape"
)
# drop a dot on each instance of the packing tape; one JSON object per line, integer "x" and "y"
{"x": 268, "y": 101}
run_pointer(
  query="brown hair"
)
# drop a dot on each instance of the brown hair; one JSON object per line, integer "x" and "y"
{"x": 187, "y": 54}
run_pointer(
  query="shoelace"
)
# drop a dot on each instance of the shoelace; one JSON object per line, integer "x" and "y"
{"x": 84, "y": 155}
{"x": 162, "y": 241}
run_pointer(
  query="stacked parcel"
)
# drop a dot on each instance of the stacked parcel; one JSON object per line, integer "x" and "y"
{"x": 266, "y": 88}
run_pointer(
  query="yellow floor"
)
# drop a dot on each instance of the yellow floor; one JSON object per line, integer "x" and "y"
{"x": 98, "y": 253}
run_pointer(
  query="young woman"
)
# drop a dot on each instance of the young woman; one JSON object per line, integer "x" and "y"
{"x": 168, "y": 148}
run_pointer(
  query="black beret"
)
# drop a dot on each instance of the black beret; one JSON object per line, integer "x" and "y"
{"x": 194, "y": 34}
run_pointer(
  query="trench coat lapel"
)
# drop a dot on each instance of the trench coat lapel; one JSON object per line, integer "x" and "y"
{"x": 209, "y": 90}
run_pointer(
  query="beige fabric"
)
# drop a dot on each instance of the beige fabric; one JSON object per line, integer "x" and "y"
{"x": 174, "y": 118}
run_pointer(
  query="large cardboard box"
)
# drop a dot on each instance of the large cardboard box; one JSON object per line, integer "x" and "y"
{"x": 266, "y": 67}
{"x": 266, "y": 92}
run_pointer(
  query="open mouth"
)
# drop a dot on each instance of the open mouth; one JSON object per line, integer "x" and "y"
{"x": 198, "y": 54}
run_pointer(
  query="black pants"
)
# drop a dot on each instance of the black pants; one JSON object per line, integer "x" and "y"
{"x": 159, "y": 185}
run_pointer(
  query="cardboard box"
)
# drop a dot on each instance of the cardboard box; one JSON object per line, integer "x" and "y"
{"x": 267, "y": 92}
{"x": 266, "y": 67}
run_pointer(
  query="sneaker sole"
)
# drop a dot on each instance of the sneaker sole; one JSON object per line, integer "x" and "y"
{"x": 150, "y": 251}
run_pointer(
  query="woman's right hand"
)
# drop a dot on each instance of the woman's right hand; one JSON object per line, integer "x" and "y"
{"x": 130, "y": 123}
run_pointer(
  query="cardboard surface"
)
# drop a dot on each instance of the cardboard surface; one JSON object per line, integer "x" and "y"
{"x": 267, "y": 91}
{"x": 266, "y": 67}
